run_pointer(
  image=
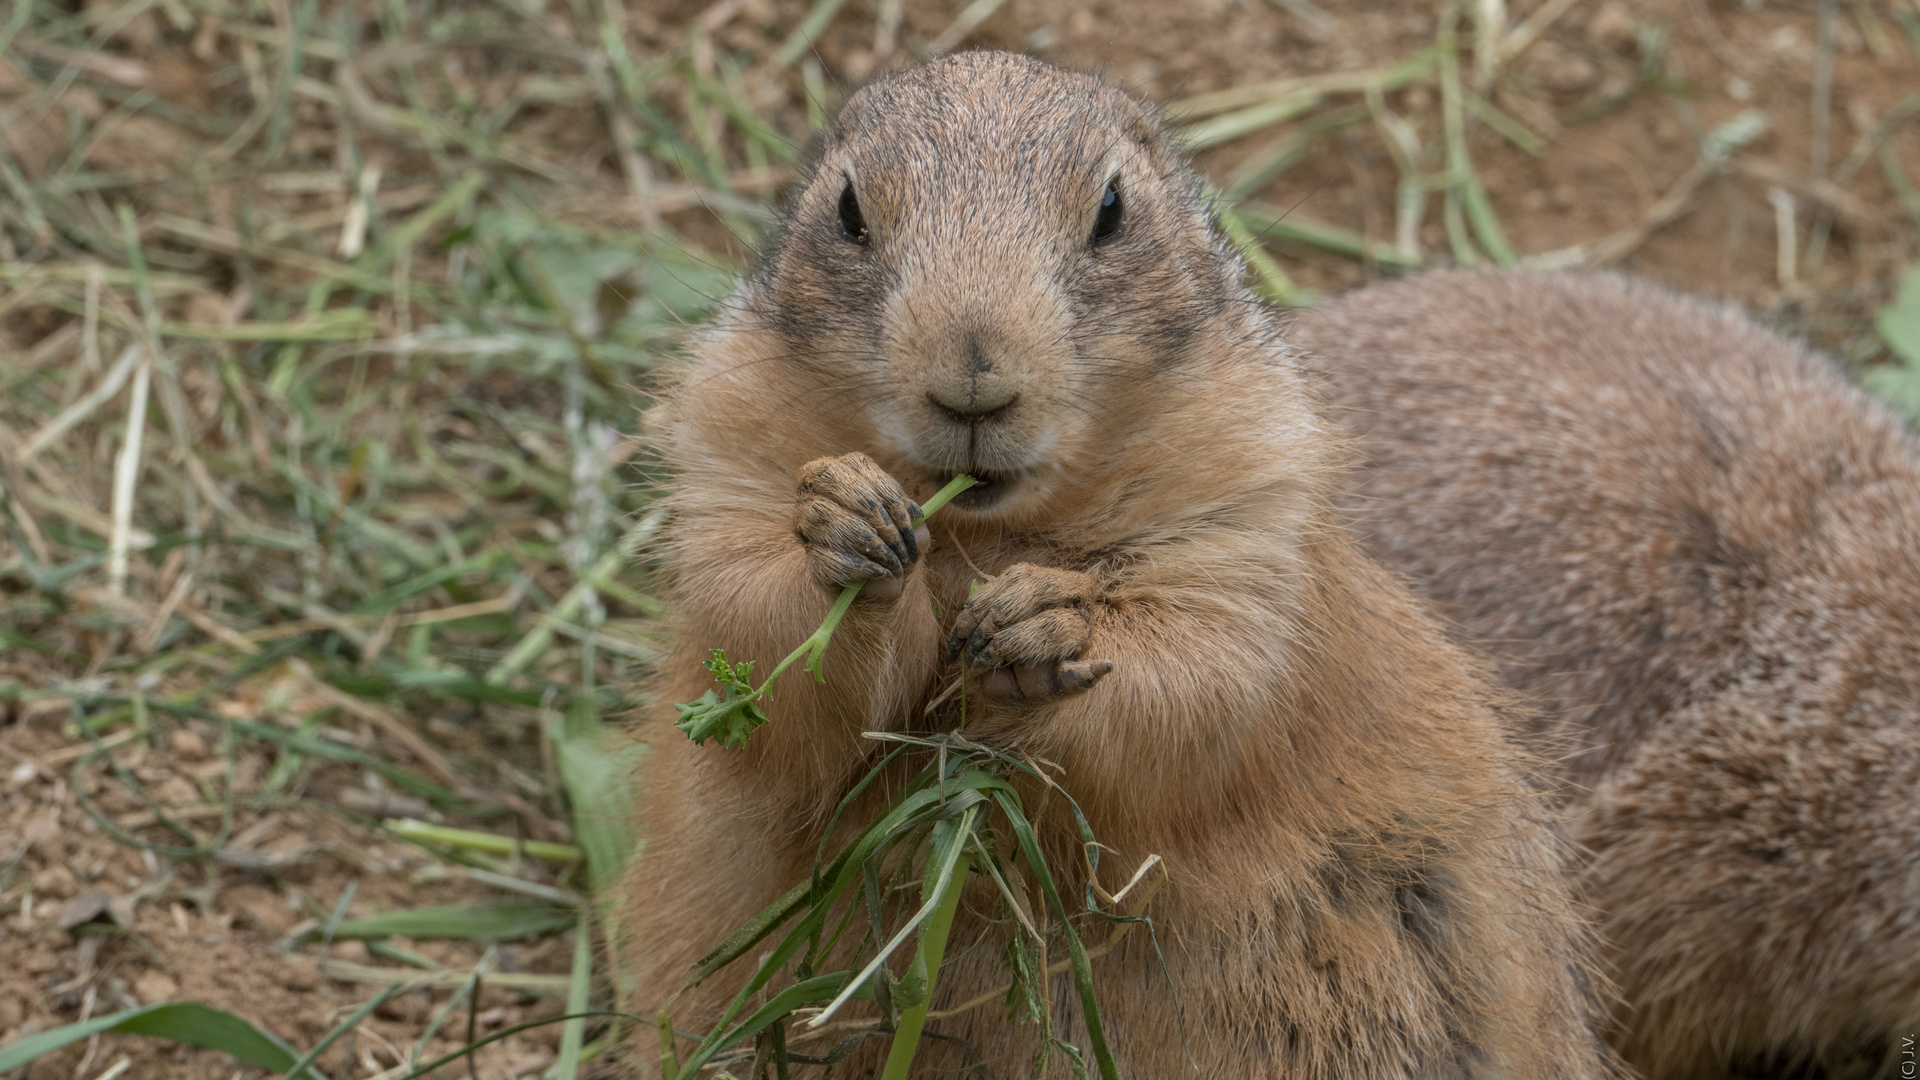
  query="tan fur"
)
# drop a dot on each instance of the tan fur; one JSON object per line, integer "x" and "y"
{"x": 1359, "y": 884}
{"x": 1701, "y": 547}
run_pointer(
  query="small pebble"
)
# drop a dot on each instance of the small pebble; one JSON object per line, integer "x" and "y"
{"x": 155, "y": 987}
{"x": 188, "y": 744}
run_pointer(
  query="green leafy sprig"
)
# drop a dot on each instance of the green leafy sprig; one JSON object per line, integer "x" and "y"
{"x": 731, "y": 713}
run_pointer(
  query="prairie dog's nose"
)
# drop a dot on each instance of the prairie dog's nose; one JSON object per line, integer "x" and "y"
{"x": 971, "y": 375}
{"x": 975, "y": 407}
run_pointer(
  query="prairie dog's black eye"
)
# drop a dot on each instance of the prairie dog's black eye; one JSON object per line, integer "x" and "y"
{"x": 1107, "y": 222}
{"x": 851, "y": 222}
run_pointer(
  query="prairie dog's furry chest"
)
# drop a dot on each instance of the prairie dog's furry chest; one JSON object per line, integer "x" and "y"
{"x": 956, "y": 561}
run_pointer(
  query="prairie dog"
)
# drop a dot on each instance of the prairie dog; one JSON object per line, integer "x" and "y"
{"x": 1701, "y": 548}
{"x": 1002, "y": 268}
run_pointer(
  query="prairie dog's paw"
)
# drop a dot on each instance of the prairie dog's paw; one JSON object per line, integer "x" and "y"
{"x": 857, "y": 525}
{"x": 1026, "y": 634}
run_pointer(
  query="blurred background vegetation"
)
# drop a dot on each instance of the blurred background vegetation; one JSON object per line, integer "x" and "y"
{"x": 326, "y": 328}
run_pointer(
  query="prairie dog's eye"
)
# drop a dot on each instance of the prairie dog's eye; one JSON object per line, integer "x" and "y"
{"x": 1107, "y": 222}
{"x": 851, "y": 222}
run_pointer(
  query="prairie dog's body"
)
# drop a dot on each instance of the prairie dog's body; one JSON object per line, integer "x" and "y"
{"x": 1000, "y": 268}
{"x": 1700, "y": 547}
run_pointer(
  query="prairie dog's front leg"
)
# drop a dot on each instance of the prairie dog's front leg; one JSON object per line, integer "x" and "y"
{"x": 1025, "y": 634}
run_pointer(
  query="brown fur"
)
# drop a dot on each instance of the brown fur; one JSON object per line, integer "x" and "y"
{"x": 1701, "y": 547}
{"x": 1359, "y": 887}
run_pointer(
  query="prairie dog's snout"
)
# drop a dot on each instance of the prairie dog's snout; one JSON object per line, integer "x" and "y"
{"x": 990, "y": 360}
{"x": 992, "y": 262}
{"x": 978, "y": 383}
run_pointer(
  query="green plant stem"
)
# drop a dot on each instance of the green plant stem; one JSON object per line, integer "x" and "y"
{"x": 1463, "y": 182}
{"x": 946, "y": 495}
{"x": 480, "y": 841}
{"x": 1272, "y": 282}
{"x": 669, "y": 1056}
{"x": 803, "y": 36}
{"x": 352, "y": 1021}
{"x": 948, "y": 878}
{"x": 540, "y": 639}
{"x": 574, "y": 1031}
{"x": 933, "y": 947}
{"x": 815, "y": 647}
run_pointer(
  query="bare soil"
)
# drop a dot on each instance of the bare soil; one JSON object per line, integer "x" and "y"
{"x": 228, "y": 932}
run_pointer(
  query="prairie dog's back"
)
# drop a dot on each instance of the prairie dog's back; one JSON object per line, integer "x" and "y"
{"x": 1608, "y": 483}
{"x": 1699, "y": 546}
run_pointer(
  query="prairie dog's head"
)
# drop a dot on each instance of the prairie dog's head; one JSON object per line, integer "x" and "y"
{"x": 993, "y": 263}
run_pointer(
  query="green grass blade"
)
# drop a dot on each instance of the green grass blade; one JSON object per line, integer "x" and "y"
{"x": 1896, "y": 384}
{"x": 491, "y": 843}
{"x": 1486, "y": 227}
{"x": 879, "y": 769}
{"x": 480, "y": 922}
{"x": 1899, "y": 326}
{"x": 339, "y": 324}
{"x": 537, "y": 642}
{"x": 1506, "y": 125}
{"x": 946, "y": 861}
{"x": 769, "y": 919}
{"x": 933, "y": 947}
{"x": 597, "y": 769}
{"x": 453, "y": 1002}
{"x": 1472, "y": 195}
{"x": 798, "y": 996}
{"x": 669, "y": 1057}
{"x": 1076, "y": 949}
{"x": 441, "y": 1062}
{"x": 1260, "y": 169}
{"x": 807, "y": 32}
{"x": 1273, "y": 282}
{"x": 340, "y": 1030}
{"x": 573, "y": 1031}
{"x": 1229, "y": 126}
{"x": 383, "y": 602}
{"x": 433, "y": 792}
{"x": 1456, "y": 223}
{"x": 186, "y": 1022}
{"x": 415, "y": 228}
{"x": 1264, "y": 221}
{"x": 916, "y": 808}
{"x": 1899, "y": 322}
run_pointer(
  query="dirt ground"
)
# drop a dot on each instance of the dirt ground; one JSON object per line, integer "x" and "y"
{"x": 1617, "y": 93}
{"x": 234, "y": 932}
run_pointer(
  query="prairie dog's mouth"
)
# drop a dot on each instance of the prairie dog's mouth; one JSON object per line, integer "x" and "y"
{"x": 989, "y": 488}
